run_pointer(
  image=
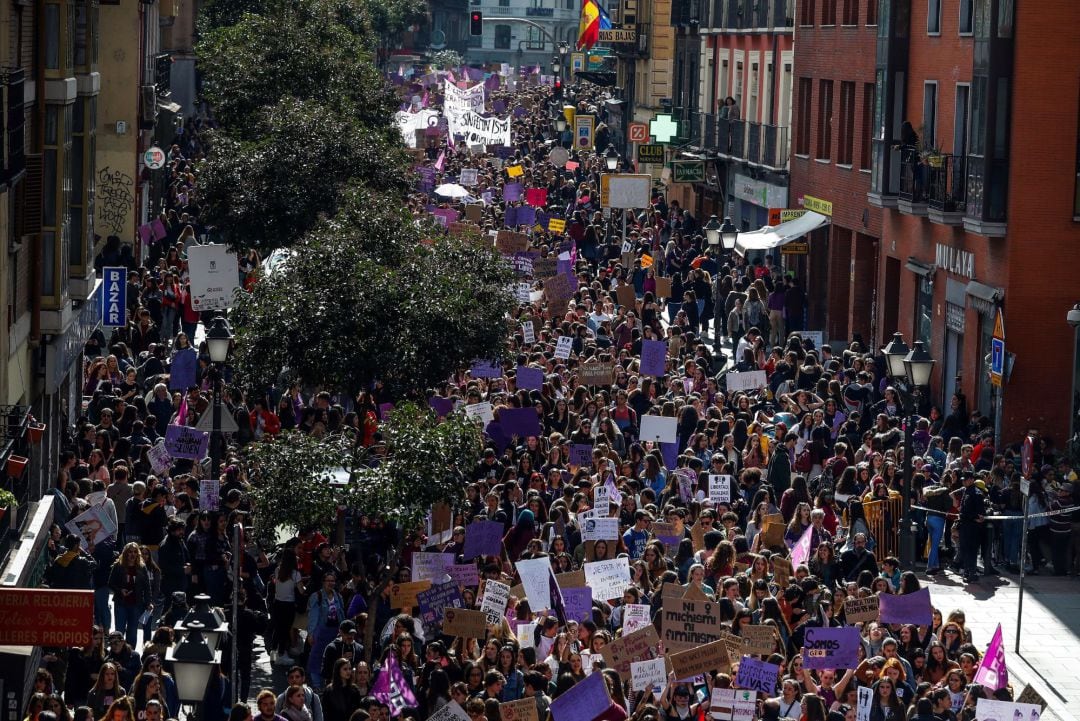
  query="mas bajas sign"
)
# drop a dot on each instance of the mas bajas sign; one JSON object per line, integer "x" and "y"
{"x": 479, "y": 130}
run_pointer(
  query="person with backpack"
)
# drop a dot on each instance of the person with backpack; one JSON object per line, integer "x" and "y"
{"x": 935, "y": 497}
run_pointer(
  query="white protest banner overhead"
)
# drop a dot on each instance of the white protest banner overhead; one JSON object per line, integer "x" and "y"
{"x": 478, "y": 130}
{"x": 458, "y": 101}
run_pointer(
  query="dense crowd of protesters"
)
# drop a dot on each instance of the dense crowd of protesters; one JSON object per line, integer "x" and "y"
{"x": 808, "y": 451}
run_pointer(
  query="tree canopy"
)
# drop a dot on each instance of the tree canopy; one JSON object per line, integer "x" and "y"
{"x": 361, "y": 299}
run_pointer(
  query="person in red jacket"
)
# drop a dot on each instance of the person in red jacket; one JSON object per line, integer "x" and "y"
{"x": 263, "y": 421}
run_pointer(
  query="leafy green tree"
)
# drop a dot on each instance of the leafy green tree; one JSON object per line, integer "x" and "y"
{"x": 362, "y": 299}
{"x": 268, "y": 192}
{"x": 425, "y": 461}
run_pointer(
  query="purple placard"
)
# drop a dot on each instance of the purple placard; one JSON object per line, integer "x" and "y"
{"x": 831, "y": 647}
{"x": 526, "y": 215}
{"x": 510, "y": 216}
{"x": 159, "y": 228}
{"x": 757, "y": 675}
{"x": 494, "y": 431}
{"x": 581, "y": 454}
{"x": 498, "y": 106}
{"x": 520, "y": 112}
{"x": 653, "y": 357}
{"x": 521, "y": 422}
{"x": 441, "y": 406}
{"x": 435, "y": 599}
{"x": 671, "y": 542}
{"x": 563, "y": 267}
{"x": 146, "y": 233}
{"x": 486, "y": 369}
{"x": 384, "y": 410}
{"x": 670, "y": 451}
{"x": 186, "y": 442}
{"x": 907, "y": 608}
{"x": 531, "y": 379}
{"x": 578, "y": 603}
{"x": 505, "y": 152}
{"x": 464, "y": 574}
{"x": 586, "y": 699}
{"x": 511, "y": 192}
{"x": 483, "y": 538}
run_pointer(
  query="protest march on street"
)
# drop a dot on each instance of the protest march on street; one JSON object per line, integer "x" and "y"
{"x": 679, "y": 503}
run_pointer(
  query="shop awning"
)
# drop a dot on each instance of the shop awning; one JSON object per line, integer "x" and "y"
{"x": 918, "y": 267}
{"x": 775, "y": 236}
{"x": 984, "y": 298}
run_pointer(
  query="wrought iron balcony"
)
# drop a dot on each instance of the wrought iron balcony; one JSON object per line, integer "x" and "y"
{"x": 947, "y": 183}
{"x": 913, "y": 176}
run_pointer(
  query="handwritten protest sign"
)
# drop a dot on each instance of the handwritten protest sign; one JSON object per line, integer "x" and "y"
{"x": 861, "y": 610}
{"x": 433, "y": 601}
{"x": 509, "y": 242}
{"x": 564, "y": 347}
{"x": 758, "y": 640}
{"x": 700, "y": 659}
{"x": 209, "y": 494}
{"x": 596, "y": 374}
{"x": 571, "y": 579}
{"x": 464, "y": 574}
{"x": 720, "y": 488}
{"x": 749, "y": 381}
{"x": 635, "y": 616}
{"x": 608, "y": 579}
{"x": 403, "y": 595}
{"x": 600, "y": 529}
{"x": 581, "y": 454}
{"x": 689, "y": 623}
{"x": 186, "y": 442}
{"x": 483, "y": 412}
{"x": 578, "y": 603}
{"x": 644, "y": 675}
{"x": 536, "y": 576}
{"x": 758, "y": 675}
{"x": 464, "y": 622}
{"x": 160, "y": 460}
{"x": 524, "y": 709}
{"x": 640, "y": 645}
{"x": 431, "y": 566}
{"x": 496, "y": 596}
{"x": 732, "y": 704}
{"x": 654, "y": 357}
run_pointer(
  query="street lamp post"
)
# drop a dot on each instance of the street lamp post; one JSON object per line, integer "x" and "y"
{"x": 193, "y": 662}
{"x": 218, "y": 340}
{"x": 915, "y": 367}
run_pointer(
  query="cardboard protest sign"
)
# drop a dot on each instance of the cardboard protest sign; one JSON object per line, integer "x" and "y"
{"x": 689, "y": 623}
{"x": 906, "y": 608}
{"x": 654, "y": 358}
{"x": 663, "y": 287}
{"x": 474, "y": 212}
{"x": 640, "y": 645}
{"x": 773, "y": 535}
{"x": 509, "y": 242}
{"x": 450, "y": 712}
{"x": 209, "y": 494}
{"x": 782, "y": 570}
{"x": 831, "y": 647}
{"x": 861, "y": 610}
{"x": 586, "y": 699}
{"x": 749, "y": 382}
{"x": 431, "y": 566}
{"x": 464, "y": 622}
{"x": 644, "y": 675}
{"x": 757, "y": 675}
{"x": 758, "y": 640}
{"x": 93, "y": 525}
{"x": 625, "y": 296}
{"x": 564, "y": 347}
{"x": 403, "y": 595}
{"x": 545, "y": 267}
{"x": 701, "y": 659}
{"x": 186, "y": 442}
{"x": 608, "y": 579}
{"x": 524, "y": 709}
{"x": 596, "y": 374}
{"x": 695, "y": 592}
{"x": 483, "y": 538}
{"x": 571, "y": 579}
{"x": 535, "y": 576}
{"x": 600, "y": 529}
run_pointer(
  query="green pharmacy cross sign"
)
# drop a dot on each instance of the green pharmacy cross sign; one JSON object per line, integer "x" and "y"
{"x": 664, "y": 128}
{"x": 692, "y": 171}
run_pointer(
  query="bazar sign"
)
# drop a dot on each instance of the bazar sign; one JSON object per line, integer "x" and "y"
{"x": 45, "y": 617}
{"x": 618, "y": 35}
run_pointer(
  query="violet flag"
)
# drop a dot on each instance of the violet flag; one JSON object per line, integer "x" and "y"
{"x": 800, "y": 552}
{"x": 992, "y": 672}
{"x": 391, "y": 688}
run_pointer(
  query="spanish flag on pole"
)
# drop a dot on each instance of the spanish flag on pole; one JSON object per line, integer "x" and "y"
{"x": 593, "y": 19}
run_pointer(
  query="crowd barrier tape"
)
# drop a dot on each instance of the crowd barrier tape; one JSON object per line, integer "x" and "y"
{"x": 1044, "y": 514}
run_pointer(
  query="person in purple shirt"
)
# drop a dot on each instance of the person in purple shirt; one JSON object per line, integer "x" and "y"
{"x": 775, "y": 305}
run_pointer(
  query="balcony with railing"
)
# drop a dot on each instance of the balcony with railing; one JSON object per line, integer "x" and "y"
{"x": 913, "y": 182}
{"x": 947, "y": 189}
{"x": 986, "y": 195}
{"x": 756, "y": 144}
{"x": 749, "y": 15}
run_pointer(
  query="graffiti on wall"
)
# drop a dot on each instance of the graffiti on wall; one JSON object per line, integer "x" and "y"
{"x": 114, "y": 200}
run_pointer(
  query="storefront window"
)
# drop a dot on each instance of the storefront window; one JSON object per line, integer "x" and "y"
{"x": 924, "y": 319}
{"x": 986, "y": 390}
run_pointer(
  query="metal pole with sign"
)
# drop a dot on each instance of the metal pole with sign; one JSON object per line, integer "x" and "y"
{"x": 997, "y": 372}
{"x": 1025, "y": 488}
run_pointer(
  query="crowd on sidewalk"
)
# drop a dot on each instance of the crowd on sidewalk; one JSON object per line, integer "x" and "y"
{"x": 640, "y": 481}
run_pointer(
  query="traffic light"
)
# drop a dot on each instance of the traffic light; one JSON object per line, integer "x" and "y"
{"x": 558, "y": 89}
{"x": 476, "y": 23}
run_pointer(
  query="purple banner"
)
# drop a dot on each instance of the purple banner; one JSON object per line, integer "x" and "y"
{"x": 526, "y": 215}
{"x": 510, "y": 216}
{"x": 464, "y": 574}
{"x": 586, "y": 699}
{"x": 757, "y": 675}
{"x": 670, "y": 451}
{"x": 578, "y": 603}
{"x": 831, "y": 647}
{"x": 441, "y": 406}
{"x": 511, "y": 192}
{"x": 486, "y": 369}
{"x": 531, "y": 379}
{"x": 483, "y": 538}
{"x": 581, "y": 454}
{"x": 653, "y": 357}
{"x": 434, "y": 600}
{"x": 186, "y": 442}
{"x": 521, "y": 422}
{"x": 907, "y": 608}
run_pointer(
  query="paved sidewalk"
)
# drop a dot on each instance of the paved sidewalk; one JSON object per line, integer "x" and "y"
{"x": 1050, "y": 633}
